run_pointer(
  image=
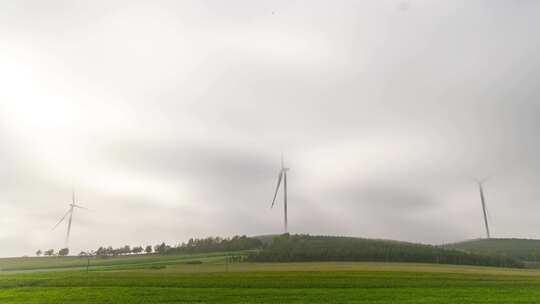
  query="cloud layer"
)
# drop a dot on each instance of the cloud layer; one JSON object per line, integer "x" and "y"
{"x": 168, "y": 119}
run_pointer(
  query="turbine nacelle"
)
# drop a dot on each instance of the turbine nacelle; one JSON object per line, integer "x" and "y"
{"x": 78, "y": 206}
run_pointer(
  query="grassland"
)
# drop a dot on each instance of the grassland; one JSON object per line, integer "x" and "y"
{"x": 138, "y": 280}
{"x": 62, "y": 263}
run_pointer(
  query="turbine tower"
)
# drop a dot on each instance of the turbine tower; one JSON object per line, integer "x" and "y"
{"x": 282, "y": 176}
{"x": 72, "y": 207}
{"x": 484, "y": 207}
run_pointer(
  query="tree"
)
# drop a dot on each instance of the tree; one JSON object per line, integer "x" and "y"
{"x": 162, "y": 248}
{"x": 148, "y": 249}
{"x": 100, "y": 251}
{"x": 49, "y": 252}
{"x": 39, "y": 252}
{"x": 63, "y": 252}
{"x": 296, "y": 248}
{"x": 137, "y": 249}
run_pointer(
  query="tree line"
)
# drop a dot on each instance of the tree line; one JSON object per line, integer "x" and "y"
{"x": 211, "y": 244}
{"x": 51, "y": 252}
{"x": 193, "y": 245}
{"x": 300, "y": 248}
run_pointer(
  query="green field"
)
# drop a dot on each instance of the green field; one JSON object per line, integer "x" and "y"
{"x": 72, "y": 262}
{"x": 170, "y": 279}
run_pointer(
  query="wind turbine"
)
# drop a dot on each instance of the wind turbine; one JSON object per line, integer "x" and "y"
{"x": 72, "y": 207}
{"x": 282, "y": 176}
{"x": 480, "y": 183}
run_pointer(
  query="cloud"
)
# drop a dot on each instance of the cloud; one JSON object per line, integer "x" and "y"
{"x": 168, "y": 119}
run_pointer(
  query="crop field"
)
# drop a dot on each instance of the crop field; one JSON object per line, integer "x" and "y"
{"x": 176, "y": 279}
{"x": 72, "y": 262}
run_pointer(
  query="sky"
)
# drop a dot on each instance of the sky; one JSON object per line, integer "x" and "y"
{"x": 168, "y": 119}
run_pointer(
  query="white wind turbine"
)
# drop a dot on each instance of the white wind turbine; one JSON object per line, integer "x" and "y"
{"x": 282, "y": 176}
{"x": 480, "y": 183}
{"x": 72, "y": 207}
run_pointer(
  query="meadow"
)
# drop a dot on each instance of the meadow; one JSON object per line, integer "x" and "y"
{"x": 178, "y": 279}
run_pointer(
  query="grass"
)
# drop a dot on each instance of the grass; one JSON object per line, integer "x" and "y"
{"x": 133, "y": 280}
{"x": 40, "y": 263}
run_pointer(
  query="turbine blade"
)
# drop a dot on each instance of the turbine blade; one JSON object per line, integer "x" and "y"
{"x": 285, "y": 200}
{"x": 62, "y": 219}
{"x": 277, "y": 187}
{"x": 488, "y": 214}
{"x": 484, "y": 210}
{"x": 81, "y": 207}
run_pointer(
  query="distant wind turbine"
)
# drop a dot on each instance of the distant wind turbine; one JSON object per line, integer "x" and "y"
{"x": 480, "y": 183}
{"x": 72, "y": 207}
{"x": 282, "y": 176}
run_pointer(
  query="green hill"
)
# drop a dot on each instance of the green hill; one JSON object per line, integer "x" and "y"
{"x": 303, "y": 248}
{"x": 266, "y": 239}
{"x": 521, "y": 249}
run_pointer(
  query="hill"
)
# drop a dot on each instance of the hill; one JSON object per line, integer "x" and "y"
{"x": 521, "y": 249}
{"x": 303, "y": 248}
{"x": 282, "y": 248}
{"x": 266, "y": 239}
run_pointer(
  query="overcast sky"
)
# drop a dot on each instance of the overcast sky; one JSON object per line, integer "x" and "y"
{"x": 168, "y": 119}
